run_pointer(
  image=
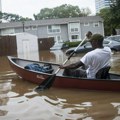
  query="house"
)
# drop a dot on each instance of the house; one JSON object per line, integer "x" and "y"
{"x": 62, "y": 29}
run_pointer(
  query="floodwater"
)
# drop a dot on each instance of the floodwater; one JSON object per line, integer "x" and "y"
{"x": 19, "y": 101}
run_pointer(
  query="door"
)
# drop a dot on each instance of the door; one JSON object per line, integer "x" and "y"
{"x": 26, "y": 49}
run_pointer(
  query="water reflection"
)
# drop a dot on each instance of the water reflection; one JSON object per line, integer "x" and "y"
{"x": 58, "y": 104}
{"x": 5, "y": 87}
{"x": 59, "y": 55}
{"x": 87, "y": 105}
{"x": 62, "y": 104}
{"x": 29, "y": 55}
{"x": 115, "y": 66}
{"x": 21, "y": 102}
{"x": 117, "y": 106}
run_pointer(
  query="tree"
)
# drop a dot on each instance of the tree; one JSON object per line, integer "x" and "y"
{"x": 115, "y": 13}
{"x": 106, "y": 15}
{"x": 12, "y": 17}
{"x": 113, "y": 31}
{"x": 85, "y": 11}
{"x": 111, "y": 17}
{"x": 63, "y": 11}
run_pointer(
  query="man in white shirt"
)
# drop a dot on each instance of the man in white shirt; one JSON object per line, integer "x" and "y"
{"x": 93, "y": 60}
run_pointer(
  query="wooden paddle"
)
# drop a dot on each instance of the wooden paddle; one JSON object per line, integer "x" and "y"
{"x": 46, "y": 84}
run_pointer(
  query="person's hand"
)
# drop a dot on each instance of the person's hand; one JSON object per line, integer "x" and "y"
{"x": 89, "y": 34}
{"x": 62, "y": 67}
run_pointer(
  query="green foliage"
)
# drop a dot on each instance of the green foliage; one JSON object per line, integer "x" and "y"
{"x": 115, "y": 13}
{"x": 63, "y": 11}
{"x": 12, "y": 17}
{"x": 111, "y": 17}
{"x": 72, "y": 44}
{"x": 106, "y": 15}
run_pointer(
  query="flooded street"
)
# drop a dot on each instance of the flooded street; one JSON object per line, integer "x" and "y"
{"x": 19, "y": 101}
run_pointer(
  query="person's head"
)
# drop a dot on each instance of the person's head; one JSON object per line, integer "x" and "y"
{"x": 97, "y": 41}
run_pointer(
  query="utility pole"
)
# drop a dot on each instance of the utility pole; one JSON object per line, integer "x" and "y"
{"x": 0, "y": 6}
{"x": 23, "y": 25}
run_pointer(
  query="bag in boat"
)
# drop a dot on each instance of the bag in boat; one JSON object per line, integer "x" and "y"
{"x": 46, "y": 68}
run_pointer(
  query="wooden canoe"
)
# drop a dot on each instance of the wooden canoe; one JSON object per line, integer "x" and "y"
{"x": 18, "y": 66}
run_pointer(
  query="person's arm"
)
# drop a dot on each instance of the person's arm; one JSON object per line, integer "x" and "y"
{"x": 72, "y": 66}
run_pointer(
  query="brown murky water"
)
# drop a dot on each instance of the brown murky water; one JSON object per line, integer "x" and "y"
{"x": 18, "y": 101}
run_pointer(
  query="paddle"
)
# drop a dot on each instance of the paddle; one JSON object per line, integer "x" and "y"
{"x": 46, "y": 84}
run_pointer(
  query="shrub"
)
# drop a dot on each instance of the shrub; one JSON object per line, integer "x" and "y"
{"x": 72, "y": 44}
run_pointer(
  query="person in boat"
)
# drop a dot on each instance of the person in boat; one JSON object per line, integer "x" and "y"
{"x": 94, "y": 60}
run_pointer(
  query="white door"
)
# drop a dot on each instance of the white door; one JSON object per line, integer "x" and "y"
{"x": 26, "y": 49}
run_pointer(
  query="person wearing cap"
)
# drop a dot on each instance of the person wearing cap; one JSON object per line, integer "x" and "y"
{"x": 94, "y": 60}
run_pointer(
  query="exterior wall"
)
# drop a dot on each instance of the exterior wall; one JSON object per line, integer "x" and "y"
{"x": 7, "y": 31}
{"x": 42, "y": 32}
{"x": 91, "y": 28}
{"x": 40, "y": 27}
{"x": 30, "y": 31}
{"x": 18, "y": 30}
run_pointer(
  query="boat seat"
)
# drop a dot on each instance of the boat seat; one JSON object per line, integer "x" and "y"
{"x": 103, "y": 73}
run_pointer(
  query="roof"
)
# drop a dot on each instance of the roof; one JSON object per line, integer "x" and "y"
{"x": 51, "y": 21}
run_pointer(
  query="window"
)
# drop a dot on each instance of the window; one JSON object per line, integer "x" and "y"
{"x": 74, "y": 37}
{"x": 30, "y": 28}
{"x": 7, "y": 31}
{"x": 86, "y": 24}
{"x": 74, "y": 27}
{"x": 27, "y": 28}
{"x": 54, "y": 29}
{"x": 96, "y": 24}
{"x": 34, "y": 27}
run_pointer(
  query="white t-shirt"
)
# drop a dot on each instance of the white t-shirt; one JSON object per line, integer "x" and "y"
{"x": 96, "y": 60}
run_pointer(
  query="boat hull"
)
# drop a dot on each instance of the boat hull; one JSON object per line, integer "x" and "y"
{"x": 63, "y": 81}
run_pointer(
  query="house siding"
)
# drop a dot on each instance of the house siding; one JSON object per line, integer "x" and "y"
{"x": 41, "y": 30}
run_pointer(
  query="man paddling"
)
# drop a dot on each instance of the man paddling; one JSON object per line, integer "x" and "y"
{"x": 93, "y": 60}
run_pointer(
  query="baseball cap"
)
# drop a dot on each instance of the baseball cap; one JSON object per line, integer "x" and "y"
{"x": 96, "y": 37}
